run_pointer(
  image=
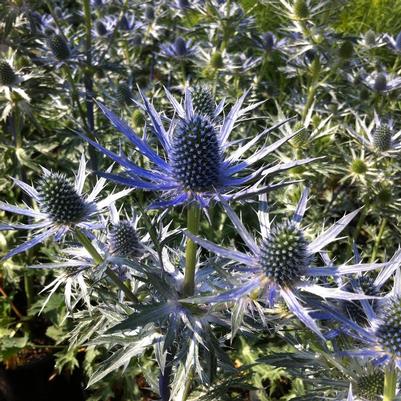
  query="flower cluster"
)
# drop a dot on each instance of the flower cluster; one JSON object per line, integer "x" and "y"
{"x": 231, "y": 231}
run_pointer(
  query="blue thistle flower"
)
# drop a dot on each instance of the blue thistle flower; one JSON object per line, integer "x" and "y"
{"x": 382, "y": 82}
{"x": 381, "y": 341}
{"x": 280, "y": 263}
{"x": 104, "y": 27}
{"x": 269, "y": 42}
{"x": 180, "y": 48}
{"x": 183, "y": 4}
{"x": 196, "y": 166}
{"x": 62, "y": 206}
{"x": 59, "y": 47}
{"x": 7, "y": 74}
{"x": 371, "y": 386}
{"x": 123, "y": 239}
{"x": 380, "y": 135}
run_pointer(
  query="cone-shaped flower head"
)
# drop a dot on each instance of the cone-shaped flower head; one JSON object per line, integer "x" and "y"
{"x": 284, "y": 255}
{"x": 59, "y": 47}
{"x": 124, "y": 23}
{"x": 382, "y": 137}
{"x": 371, "y": 386}
{"x": 100, "y": 28}
{"x": 370, "y": 38}
{"x": 346, "y": 50}
{"x": 183, "y": 4}
{"x": 196, "y": 155}
{"x": 149, "y": 12}
{"x": 7, "y": 74}
{"x": 380, "y": 83}
{"x": 301, "y": 9}
{"x": 216, "y": 60}
{"x": 60, "y": 199}
{"x": 180, "y": 46}
{"x": 268, "y": 41}
{"x": 389, "y": 331}
{"x": 123, "y": 240}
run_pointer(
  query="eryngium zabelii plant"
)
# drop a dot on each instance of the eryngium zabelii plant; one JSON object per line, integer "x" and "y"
{"x": 207, "y": 194}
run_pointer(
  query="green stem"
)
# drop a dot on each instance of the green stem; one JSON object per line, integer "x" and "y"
{"x": 309, "y": 101}
{"x": 87, "y": 244}
{"x": 390, "y": 383}
{"x": 188, "y": 385}
{"x": 17, "y": 129}
{"x": 378, "y": 239}
{"x": 193, "y": 220}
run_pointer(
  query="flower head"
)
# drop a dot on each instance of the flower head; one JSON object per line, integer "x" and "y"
{"x": 123, "y": 239}
{"x": 269, "y": 42}
{"x": 7, "y": 74}
{"x": 371, "y": 386}
{"x": 180, "y": 48}
{"x": 11, "y": 79}
{"x": 104, "y": 27}
{"x": 62, "y": 206}
{"x": 281, "y": 261}
{"x": 382, "y": 82}
{"x": 379, "y": 135}
{"x": 59, "y": 47}
{"x": 196, "y": 166}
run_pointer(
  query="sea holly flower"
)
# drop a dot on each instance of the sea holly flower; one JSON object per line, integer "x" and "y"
{"x": 62, "y": 207}
{"x": 196, "y": 166}
{"x": 179, "y": 49}
{"x": 123, "y": 239}
{"x": 58, "y": 50}
{"x": 379, "y": 135}
{"x": 280, "y": 262}
{"x": 358, "y": 167}
{"x": 372, "y": 40}
{"x": 380, "y": 341}
{"x": 382, "y": 82}
{"x": 268, "y": 42}
{"x": 104, "y": 27}
{"x": 11, "y": 80}
{"x": 127, "y": 23}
